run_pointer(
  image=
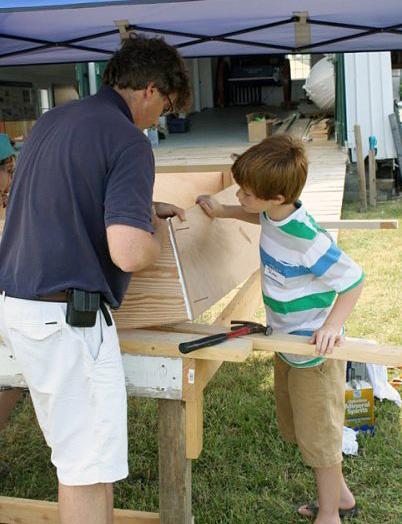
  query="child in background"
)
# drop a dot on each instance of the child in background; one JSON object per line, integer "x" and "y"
{"x": 7, "y": 166}
{"x": 8, "y": 397}
{"x": 310, "y": 287}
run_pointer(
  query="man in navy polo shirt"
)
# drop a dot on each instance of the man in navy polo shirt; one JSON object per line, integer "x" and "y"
{"x": 80, "y": 217}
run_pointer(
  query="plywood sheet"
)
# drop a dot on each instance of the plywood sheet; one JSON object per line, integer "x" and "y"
{"x": 155, "y": 295}
{"x": 216, "y": 255}
{"x": 181, "y": 189}
{"x": 212, "y": 257}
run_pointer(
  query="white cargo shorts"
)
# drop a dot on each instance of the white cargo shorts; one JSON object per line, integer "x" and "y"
{"x": 76, "y": 380}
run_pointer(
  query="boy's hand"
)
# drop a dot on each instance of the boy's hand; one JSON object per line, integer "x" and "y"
{"x": 211, "y": 206}
{"x": 326, "y": 338}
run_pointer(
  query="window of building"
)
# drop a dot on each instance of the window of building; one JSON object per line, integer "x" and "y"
{"x": 300, "y": 66}
{"x": 44, "y": 100}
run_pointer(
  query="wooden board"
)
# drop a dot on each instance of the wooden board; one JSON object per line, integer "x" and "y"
{"x": 204, "y": 261}
{"x": 26, "y": 511}
{"x": 194, "y": 427}
{"x": 154, "y": 296}
{"x": 361, "y": 170}
{"x": 372, "y": 172}
{"x": 182, "y": 189}
{"x": 158, "y": 343}
{"x": 299, "y": 127}
{"x": 174, "y": 467}
{"x": 215, "y": 255}
{"x": 224, "y": 168}
{"x": 360, "y": 224}
{"x": 354, "y": 349}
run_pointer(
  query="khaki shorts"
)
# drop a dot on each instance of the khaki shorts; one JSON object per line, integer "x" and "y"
{"x": 77, "y": 384}
{"x": 310, "y": 409}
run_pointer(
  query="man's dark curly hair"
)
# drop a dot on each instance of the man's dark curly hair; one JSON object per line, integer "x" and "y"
{"x": 142, "y": 60}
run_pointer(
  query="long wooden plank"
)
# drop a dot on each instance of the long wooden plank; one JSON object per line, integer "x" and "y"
{"x": 158, "y": 343}
{"x": 194, "y": 426}
{"x": 360, "y": 167}
{"x": 357, "y": 350}
{"x": 359, "y": 224}
{"x": 192, "y": 395}
{"x": 27, "y": 511}
{"x": 372, "y": 178}
{"x": 174, "y": 467}
{"x": 216, "y": 255}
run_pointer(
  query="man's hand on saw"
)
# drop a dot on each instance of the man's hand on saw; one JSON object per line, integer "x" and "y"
{"x": 164, "y": 210}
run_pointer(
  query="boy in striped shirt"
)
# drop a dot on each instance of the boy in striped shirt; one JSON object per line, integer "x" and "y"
{"x": 309, "y": 288}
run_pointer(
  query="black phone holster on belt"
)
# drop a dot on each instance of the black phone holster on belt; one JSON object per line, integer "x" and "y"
{"x": 83, "y": 307}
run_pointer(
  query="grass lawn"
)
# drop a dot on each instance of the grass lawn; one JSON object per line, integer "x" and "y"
{"x": 246, "y": 474}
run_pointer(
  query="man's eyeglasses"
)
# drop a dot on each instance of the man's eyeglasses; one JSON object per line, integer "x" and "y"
{"x": 169, "y": 107}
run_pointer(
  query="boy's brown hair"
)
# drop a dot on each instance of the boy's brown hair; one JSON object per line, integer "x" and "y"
{"x": 276, "y": 166}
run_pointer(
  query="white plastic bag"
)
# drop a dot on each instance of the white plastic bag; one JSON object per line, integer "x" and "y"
{"x": 320, "y": 84}
{"x": 382, "y": 388}
{"x": 350, "y": 446}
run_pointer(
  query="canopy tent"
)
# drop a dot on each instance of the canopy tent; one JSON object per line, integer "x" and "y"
{"x": 51, "y": 31}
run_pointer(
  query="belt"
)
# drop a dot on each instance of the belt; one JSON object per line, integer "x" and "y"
{"x": 61, "y": 296}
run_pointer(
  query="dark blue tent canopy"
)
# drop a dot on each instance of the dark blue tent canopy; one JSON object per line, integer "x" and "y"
{"x": 45, "y": 31}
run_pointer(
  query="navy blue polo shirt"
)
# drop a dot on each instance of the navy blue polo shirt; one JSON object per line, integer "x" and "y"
{"x": 84, "y": 167}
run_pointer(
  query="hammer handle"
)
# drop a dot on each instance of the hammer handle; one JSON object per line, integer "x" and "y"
{"x": 205, "y": 342}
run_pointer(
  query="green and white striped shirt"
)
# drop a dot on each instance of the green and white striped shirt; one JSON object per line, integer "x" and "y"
{"x": 302, "y": 270}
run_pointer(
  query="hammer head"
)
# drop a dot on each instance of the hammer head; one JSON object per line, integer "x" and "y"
{"x": 254, "y": 327}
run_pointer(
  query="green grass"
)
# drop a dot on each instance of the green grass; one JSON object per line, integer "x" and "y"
{"x": 246, "y": 474}
{"x": 379, "y": 311}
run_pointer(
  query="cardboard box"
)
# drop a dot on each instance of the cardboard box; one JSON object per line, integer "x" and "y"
{"x": 359, "y": 405}
{"x": 259, "y": 126}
